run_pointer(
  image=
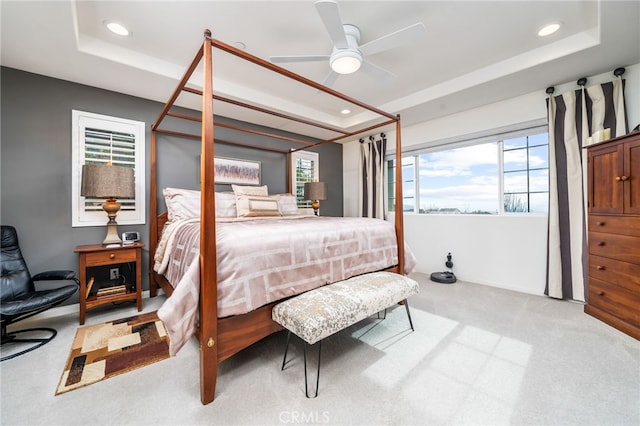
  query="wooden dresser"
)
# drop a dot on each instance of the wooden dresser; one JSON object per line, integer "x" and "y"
{"x": 613, "y": 294}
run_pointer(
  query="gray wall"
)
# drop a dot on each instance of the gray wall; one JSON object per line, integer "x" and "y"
{"x": 35, "y": 167}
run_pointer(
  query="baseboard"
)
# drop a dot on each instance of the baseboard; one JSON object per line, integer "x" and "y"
{"x": 495, "y": 285}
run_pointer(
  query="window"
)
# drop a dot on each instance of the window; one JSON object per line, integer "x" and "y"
{"x": 506, "y": 173}
{"x": 408, "y": 184}
{"x": 306, "y": 168}
{"x": 98, "y": 139}
{"x": 526, "y": 174}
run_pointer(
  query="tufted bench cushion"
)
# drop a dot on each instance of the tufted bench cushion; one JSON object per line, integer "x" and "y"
{"x": 321, "y": 312}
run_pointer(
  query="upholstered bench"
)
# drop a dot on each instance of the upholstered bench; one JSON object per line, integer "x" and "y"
{"x": 321, "y": 312}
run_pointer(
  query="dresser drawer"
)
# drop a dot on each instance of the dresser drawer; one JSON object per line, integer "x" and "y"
{"x": 622, "y": 274}
{"x": 614, "y": 300}
{"x": 623, "y": 225}
{"x": 109, "y": 257}
{"x": 621, "y": 247}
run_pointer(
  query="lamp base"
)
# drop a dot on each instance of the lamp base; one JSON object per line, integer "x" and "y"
{"x": 316, "y": 206}
{"x": 112, "y": 234}
{"x": 111, "y": 207}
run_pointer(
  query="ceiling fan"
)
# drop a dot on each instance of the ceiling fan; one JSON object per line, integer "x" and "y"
{"x": 347, "y": 56}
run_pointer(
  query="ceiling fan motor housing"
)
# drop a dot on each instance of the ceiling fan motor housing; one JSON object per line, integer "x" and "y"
{"x": 347, "y": 60}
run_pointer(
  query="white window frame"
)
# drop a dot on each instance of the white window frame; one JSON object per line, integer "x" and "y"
{"x": 304, "y": 155}
{"x": 497, "y": 135}
{"x": 80, "y": 121}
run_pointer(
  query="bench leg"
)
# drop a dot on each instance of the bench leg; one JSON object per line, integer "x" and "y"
{"x": 306, "y": 387}
{"x": 384, "y": 316}
{"x": 286, "y": 349}
{"x": 406, "y": 305}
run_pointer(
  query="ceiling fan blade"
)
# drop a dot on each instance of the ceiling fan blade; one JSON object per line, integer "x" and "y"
{"x": 377, "y": 72}
{"x": 330, "y": 15}
{"x": 330, "y": 79}
{"x": 395, "y": 39}
{"x": 304, "y": 58}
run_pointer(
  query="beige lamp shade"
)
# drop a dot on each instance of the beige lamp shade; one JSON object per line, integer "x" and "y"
{"x": 107, "y": 181}
{"x": 111, "y": 183}
{"x": 315, "y": 191}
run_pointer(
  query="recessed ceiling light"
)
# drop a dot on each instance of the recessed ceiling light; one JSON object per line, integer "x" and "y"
{"x": 549, "y": 29}
{"x": 240, "y": 45}
{"x": 117, "y": 28}
{"x": 345, "y": 111}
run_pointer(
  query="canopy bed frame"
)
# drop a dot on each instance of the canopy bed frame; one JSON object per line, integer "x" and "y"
{"x": 221, "y": 338}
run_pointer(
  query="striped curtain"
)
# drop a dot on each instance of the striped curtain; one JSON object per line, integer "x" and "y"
{"x": 573, "y": 118}
{"x": 372, "y": 177}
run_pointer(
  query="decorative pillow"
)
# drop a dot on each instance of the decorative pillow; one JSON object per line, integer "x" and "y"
{"x": 250, "y": 190}
{"x": 288, "y": 204}
{"x": 185, "y": 203}
{"x": 256, "y": 205}
{"x": 181, "y": 203}
{"x": 226, "y": 204}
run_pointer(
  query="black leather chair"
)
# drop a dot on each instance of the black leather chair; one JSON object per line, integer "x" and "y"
{"x": 19, "y": 298}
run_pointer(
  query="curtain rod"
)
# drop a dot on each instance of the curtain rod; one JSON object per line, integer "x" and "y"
{"x": 372, "y": 138}
{"x": 583, "y": 80}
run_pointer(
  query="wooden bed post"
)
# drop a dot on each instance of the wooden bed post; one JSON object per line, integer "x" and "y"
{"x": 399, "y": 218}
{"x": 153, "y": 217}
{"x": 208, "y": 270}
{"x": 290, "y": 172}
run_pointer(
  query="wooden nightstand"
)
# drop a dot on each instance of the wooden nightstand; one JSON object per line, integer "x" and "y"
{"x": 94, "y": 261}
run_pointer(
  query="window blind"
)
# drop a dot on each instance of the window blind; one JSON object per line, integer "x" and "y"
{"x": 104, "y": 146}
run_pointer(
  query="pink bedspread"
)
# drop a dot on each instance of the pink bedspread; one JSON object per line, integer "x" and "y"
{"x": 264, "y": 260}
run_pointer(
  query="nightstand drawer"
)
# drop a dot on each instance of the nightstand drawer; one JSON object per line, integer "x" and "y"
{"x": 109, "y": 257}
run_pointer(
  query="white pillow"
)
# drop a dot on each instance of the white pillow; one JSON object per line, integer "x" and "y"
{"x": 185, "y": 203}
{"x": 181, "y": 203}
{"x": 288, "y": 204}
{"x": 226, "y": 204}
{"x": 250, "y": 190}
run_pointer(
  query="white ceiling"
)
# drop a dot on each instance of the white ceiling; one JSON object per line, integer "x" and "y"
{"x": 474, "y": 52}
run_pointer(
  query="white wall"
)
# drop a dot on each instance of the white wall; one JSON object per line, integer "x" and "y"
{"x": 506, "y": 251}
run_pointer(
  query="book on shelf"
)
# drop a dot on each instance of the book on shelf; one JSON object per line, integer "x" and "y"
{"x": 111, "y": 291}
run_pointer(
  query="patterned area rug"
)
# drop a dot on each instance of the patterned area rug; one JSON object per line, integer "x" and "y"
{"x": 104, "y": 350}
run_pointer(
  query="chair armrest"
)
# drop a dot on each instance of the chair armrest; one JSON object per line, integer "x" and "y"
{"x": 56, "y": 275}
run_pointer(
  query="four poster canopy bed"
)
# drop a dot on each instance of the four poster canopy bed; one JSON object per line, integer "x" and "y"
{"x": 221, "y": 282}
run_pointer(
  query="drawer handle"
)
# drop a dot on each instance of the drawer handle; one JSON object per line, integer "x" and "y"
{"x": 600, "y": 223}
{"x": 623, "y": 178}
{"x": 600, "y": 268}
{"x": 618, "y": 178}
{"x": 600, "y": 293}
{"x": 112, "y": 255}
{"x": 600, "y": 243}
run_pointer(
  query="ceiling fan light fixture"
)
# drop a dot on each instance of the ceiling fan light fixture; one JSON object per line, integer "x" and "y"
{"x": 346, "y": 61}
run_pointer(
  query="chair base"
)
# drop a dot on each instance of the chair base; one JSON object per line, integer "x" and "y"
{"x": 13, "y": 338}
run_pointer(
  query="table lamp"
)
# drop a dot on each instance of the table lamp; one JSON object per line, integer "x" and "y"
{"x": 108, "y": 182}
{"x": 315, "y": 191}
